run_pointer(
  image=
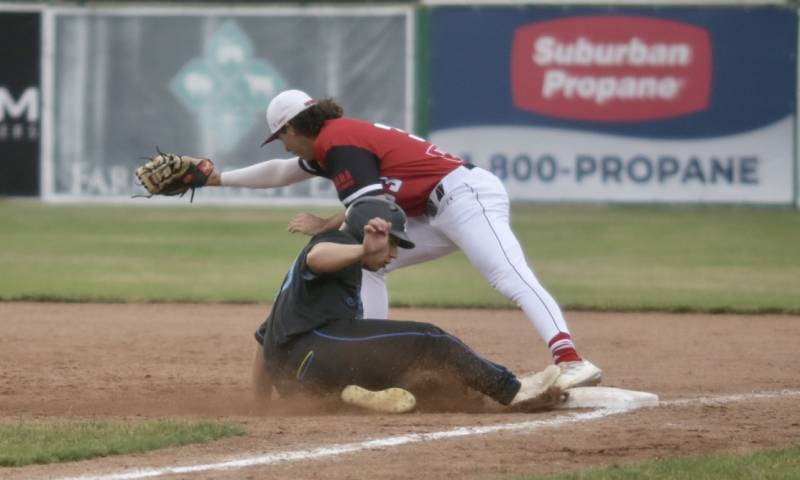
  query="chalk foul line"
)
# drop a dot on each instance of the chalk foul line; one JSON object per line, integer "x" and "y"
{"x": 355, "y": 447}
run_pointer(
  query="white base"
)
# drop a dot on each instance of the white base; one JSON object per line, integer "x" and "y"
{"x": 608, "y": 397}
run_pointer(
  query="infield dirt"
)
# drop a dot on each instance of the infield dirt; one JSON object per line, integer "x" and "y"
{"x": 128, "y": 361}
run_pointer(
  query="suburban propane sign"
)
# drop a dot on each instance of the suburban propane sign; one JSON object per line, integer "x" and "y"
{"x": 657, "y": 105}
{"x": 580, "y": 67}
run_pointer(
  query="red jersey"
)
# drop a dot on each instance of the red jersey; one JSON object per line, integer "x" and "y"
{"x": 364, "y": 158}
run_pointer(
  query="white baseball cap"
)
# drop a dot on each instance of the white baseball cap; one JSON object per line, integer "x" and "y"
{"x": 284, "y": 107}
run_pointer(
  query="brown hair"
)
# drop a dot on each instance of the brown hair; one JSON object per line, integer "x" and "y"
{"x": 310, "y": 121}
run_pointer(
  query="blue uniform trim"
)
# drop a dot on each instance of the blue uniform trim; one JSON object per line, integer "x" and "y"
{"x": 407, "y": 334}
{"x": 289, "y": 277}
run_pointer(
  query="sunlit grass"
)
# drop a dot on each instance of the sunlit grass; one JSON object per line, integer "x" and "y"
{"x": 775, "y": 464}
{"x": 602, "y": 258}
{"x": 26, "y": 443}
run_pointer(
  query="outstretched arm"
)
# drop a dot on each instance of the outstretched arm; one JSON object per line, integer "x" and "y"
{"x": 267, "y": 174}
{"x": 327, "y": 257}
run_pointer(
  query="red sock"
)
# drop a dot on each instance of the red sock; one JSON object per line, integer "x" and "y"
{"x": 563, "y": 349}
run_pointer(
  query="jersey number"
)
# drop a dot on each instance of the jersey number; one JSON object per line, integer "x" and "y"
{"x": 432, "y": 151}
{"x": 392, "y": 185}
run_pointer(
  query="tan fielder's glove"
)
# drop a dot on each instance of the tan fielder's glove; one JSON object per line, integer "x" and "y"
{"x": 170, "y": 174}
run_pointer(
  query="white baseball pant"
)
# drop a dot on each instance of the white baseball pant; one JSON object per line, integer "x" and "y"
{"x": 473, "y": 216}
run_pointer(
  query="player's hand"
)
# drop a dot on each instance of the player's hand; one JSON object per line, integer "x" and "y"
{"x": 307, "y": 223}
{"x": 213, "y": 176}
{"x": 376, "y": 236}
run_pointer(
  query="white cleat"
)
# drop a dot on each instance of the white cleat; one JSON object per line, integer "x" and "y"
{"x": 535, "y": 389}
{"x": 582, "y": 373}
{"x": 390, "y": 400}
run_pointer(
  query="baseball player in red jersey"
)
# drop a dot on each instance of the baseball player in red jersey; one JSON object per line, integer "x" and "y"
{"x": 451, "y": 205}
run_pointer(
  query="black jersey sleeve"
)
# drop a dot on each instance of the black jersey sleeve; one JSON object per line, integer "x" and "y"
{"x": 311, "y": 167}
{"x": 355, "y": 172}
{"x": 333, "y": 236}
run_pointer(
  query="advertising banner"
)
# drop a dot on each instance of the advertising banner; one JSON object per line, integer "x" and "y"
{"x": 198, "y": 81}
{"x": 19, "y": 103}
{"x": 620, "y": 105}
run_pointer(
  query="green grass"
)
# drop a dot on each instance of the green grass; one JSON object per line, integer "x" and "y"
{"x": 640, "y": 258}
{"x": 78, "y": 253}
{"x": 600, "y": 258}
{"x": 26, "y": 443}
{"x": 773, "y": 464}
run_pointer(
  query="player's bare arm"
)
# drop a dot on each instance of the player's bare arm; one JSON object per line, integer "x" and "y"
{"x": 328, "y": 257}
{"x": 312, "y": 225}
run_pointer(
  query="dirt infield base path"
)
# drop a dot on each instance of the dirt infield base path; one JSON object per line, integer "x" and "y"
{"x": 193, "y": 361}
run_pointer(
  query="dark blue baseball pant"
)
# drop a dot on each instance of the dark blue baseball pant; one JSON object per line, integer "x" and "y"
{"x": 378, "y": 354}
